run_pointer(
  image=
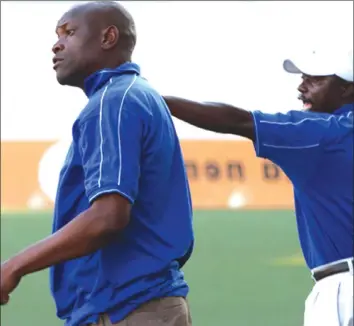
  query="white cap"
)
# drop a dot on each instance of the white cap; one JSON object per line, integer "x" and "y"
{"x": 325, "y": 63}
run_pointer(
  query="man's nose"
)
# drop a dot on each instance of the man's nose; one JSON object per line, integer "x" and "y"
{"x": 302, "y": 88}
{"x": 57, "y": 47}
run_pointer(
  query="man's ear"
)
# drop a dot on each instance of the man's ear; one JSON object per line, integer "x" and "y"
{"x": 347, "y": 90}
{"x": 110, "y": 37}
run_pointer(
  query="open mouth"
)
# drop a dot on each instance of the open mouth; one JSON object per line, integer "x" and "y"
{"x": 306, "y": 105}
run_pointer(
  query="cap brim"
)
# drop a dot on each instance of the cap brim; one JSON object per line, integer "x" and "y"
{"x": 321, "y": 63}
{"x": 290, "y": 67}
{"x": 311, "y": 66}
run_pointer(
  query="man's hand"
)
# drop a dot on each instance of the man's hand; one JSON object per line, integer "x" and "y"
{"x": 9, "y": 281}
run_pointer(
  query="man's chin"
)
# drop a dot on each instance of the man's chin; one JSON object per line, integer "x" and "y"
{"x": 62, "y": 82}
{"x": 65, "y": 80}
{"x": 72, "y": 79}
{"x": 62, "y": 79}
{"x": 314, "y": 110}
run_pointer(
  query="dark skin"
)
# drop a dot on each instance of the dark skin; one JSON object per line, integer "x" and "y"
{"x": 90, "y": 37}
{"x": 323, "y": 94}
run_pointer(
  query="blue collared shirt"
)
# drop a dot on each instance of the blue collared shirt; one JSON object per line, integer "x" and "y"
{"x": 315, "y": 151}
{"x": 124, "y": 142}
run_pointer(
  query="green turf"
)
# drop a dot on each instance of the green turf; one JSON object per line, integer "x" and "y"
{"x": 246, "y": 270}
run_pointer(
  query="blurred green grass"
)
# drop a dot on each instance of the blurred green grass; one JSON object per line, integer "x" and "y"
{"x": 246, "y": 270}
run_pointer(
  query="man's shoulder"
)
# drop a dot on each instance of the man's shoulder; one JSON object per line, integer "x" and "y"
{"x": 136, "y": 91}
{"x": 134, "y": 88}
{"x": 118, "y": 94}
{"x": 313, "y": 121}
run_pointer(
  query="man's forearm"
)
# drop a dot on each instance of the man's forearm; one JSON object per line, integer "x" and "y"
{"x": 82, "y": 236}
{"x": 216, "y": 117}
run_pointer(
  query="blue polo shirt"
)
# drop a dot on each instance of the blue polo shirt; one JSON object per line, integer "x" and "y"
{"x": 315, "y": 150}
{"x": 124, "y": 142}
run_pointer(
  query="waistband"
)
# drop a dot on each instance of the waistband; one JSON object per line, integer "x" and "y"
{"x": 324, "y": 267}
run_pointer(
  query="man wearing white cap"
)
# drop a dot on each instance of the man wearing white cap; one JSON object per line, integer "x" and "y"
{"x": 314, "y": 147}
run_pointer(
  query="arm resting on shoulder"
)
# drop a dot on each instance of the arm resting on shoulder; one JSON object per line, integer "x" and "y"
{"x": 216, "y": 117}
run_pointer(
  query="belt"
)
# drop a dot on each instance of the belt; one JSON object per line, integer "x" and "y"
{"x": 341, "y": 267}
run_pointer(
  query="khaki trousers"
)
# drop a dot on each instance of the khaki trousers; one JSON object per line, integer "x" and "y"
{"x": 170, "y": 311}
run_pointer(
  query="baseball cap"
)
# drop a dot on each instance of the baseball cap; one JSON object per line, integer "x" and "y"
{"x": 322, "y": 63}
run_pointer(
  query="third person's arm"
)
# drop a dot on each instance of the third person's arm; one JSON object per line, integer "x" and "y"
{"x": 216, "y": 117}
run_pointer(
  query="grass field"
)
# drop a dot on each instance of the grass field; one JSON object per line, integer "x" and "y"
{"x": 246, "y": 270}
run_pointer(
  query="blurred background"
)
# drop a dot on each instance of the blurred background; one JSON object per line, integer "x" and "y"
{"x": 247, "y": 268}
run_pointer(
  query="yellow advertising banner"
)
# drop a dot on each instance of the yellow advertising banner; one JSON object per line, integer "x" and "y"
{"x": 227, "y": 174}
{"x": 222, "y": 174}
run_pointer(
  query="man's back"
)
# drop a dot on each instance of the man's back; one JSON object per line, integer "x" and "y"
{"x": 148, "y": 170}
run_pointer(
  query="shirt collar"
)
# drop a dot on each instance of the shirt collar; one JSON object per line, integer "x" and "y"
{"x": 345, "y": 108}
{"x": 98, "y": 79}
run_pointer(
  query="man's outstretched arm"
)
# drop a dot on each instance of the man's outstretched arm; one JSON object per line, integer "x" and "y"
{"x": 290, "y": 139}
{"x": 216, "y": 117}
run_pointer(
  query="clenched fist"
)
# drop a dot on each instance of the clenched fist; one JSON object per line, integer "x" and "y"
{"x": 9, "y": 281}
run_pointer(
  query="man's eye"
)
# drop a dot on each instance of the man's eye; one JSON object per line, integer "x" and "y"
{"x": 70, "y": 32}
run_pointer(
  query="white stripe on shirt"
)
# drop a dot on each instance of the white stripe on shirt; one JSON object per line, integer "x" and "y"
{"x": 119, "y": 137}
{"x": 119, "y": 122}
{"x": 295, "y": 123}
{"x": 101, "y": 133}
{"x": 291, "y": 147}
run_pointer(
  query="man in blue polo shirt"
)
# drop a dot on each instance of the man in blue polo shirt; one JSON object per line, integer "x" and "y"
{"x": 314, "y": 147}
{"x": 123, "y": 220}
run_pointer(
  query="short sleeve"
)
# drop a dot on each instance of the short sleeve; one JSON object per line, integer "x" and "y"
{"x": 293, "y": 140}
{"x": 110, "y": 148}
